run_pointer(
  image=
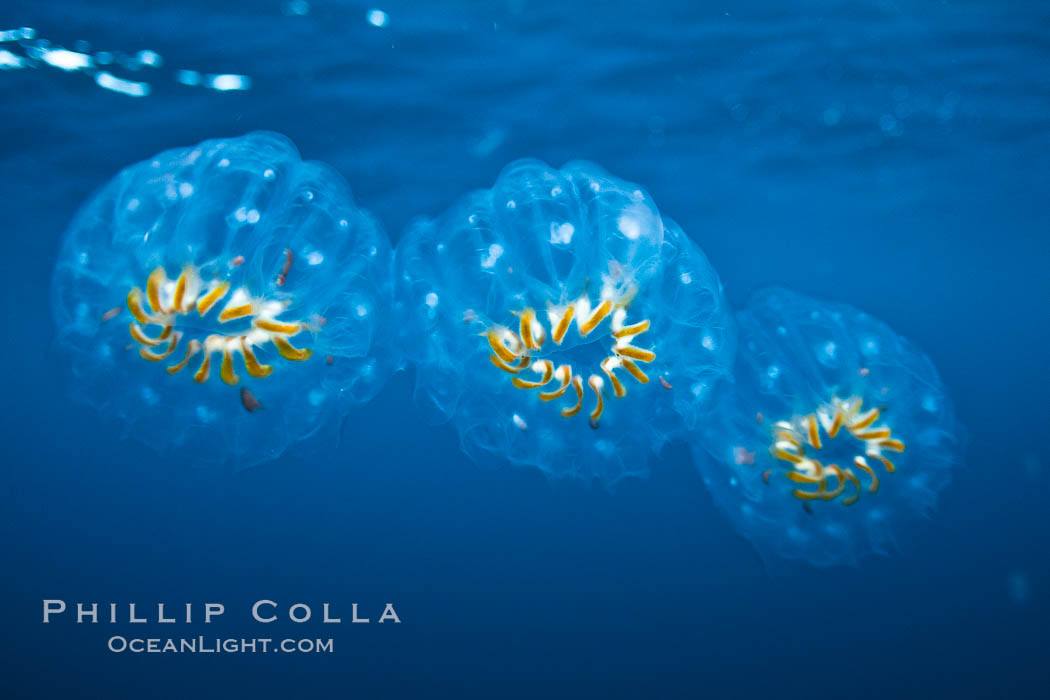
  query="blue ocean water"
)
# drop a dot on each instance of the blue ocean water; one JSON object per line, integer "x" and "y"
{"x": 889, "y": 154}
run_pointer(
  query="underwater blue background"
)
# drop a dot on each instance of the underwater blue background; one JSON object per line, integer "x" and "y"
{"x": 893, "y": 155}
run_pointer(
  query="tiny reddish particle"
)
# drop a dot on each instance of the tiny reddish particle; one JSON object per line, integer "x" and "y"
{"x": 111, "y": 314}
{"x": 329, "y": 359}
{"x": 664, "y": 383}
{"x": 765, "y": 476}
{"x": 742, "y": 455}
{"x": 863, "y": 371}
{"x": 758, "y": 417}
{"x": 249, "y": 401}
{"x": 282, "y": 278}
{"x": 238, "y": 261}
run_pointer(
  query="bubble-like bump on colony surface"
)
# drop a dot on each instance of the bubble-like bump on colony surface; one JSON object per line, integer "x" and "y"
{"x": 228, "y": 296}
{"x": 560, "y": 321}
{"x": 835, "y": 431}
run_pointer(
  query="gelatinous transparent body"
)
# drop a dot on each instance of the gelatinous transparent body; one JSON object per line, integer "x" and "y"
{"x": 560, "y": 321}
{"x": 228, "y": 296}
{"x": 835, "y": 430}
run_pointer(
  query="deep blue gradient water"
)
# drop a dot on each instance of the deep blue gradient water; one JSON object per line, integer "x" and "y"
{"x": 890, "y": 154}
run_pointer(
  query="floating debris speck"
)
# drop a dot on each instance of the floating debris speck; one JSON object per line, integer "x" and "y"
{"x": 64, "y": 59}
{"x": 149, "y": 58}
{"x": 227, "y": 81}
{"x": 377, "y": 18}
{"x": 188, "y": 77}
{"x": 125, "y": 87}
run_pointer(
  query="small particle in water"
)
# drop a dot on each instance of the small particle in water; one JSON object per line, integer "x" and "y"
{"x": 520, "y": 422}
{"x": 131, "y": 88}
{"x": 758, "y": 417}
{"x": 237, "y": 262}
{"x": 863, "y": 371}
{"x": 665, "y": 384}
{"x": 329, "y": 360}
{"x": 188, "y": 77}
{"x": 594, "y": 424}
{"x": 147, "y": 57}
{"x": 227, "y": 81}
{"x": 742, "y": 455}
{"x": 248, "y": 400}
{"x": 805, "y": 507}
{"x": 765, "y": 476}
{"x": 66, "y": 60}
{"x": 283, "y": 277}
{"x": 111, "y": 314}
{"x": 377, "y": 18}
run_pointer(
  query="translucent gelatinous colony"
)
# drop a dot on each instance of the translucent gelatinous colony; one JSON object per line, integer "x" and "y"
{"x": 834, "y": 431}
{"x": 560, "y": 322}
{"x": 227, "y": 295}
